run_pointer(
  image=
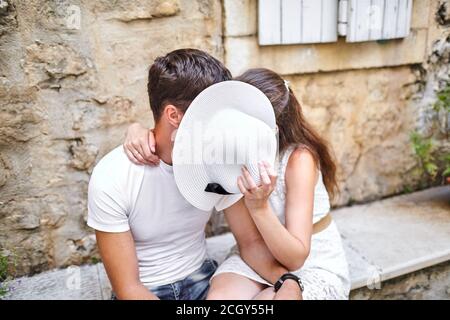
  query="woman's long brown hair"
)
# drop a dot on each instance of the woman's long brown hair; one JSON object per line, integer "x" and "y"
{"x": 292, "y": 126}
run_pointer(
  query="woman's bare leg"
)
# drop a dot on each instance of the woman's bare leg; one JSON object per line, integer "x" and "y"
{"x": 266, "y": 294}
{"x": 232, "y": 286}
{"x": 270, "y": 294}
{"x": 288, "y": 293}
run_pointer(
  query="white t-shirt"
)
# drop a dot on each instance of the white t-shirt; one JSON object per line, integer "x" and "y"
{"x": 167, "y": 230}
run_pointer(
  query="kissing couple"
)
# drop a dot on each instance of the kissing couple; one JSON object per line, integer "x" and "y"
{"x": 241, "y": 146}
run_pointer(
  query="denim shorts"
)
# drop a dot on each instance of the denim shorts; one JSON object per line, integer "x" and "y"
{"x": 193, "y": 287}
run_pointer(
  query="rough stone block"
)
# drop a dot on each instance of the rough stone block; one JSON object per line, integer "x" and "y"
{"x": 421, "y": 13}
{"x": 241, "y": 17}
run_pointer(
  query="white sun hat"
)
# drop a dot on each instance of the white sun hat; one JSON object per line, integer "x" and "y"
{"x": 229, "y": 125}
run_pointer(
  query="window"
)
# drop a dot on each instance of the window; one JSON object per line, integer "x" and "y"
{"x": 319, "y": 21}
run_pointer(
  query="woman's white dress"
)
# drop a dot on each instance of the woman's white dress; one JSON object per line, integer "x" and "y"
{"x": 325, "y": 272}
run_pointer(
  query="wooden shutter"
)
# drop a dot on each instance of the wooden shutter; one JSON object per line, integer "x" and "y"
{"x": 269, "y": 21}
{"x": 297, "y": 21}
{"x": 378, "y": 19}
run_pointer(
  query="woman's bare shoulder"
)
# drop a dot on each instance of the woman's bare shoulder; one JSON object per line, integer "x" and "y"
{"x": 301, "y": 163}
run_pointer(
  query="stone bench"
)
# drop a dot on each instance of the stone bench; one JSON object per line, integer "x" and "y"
{"x": 396, "y": 248}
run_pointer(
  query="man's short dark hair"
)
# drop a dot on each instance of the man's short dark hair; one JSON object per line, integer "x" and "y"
{"x": 178, "y": 77}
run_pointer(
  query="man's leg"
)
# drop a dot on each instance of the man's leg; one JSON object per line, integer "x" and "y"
{"x": 231, "y": 286}
{"x": 196, "y": 285}
{"x": 167, "y": 292}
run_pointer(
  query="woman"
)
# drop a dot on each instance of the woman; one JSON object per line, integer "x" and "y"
{"x": 291, "y": 213}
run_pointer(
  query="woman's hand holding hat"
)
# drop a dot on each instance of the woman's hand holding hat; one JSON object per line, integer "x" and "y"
{"x": 256, "y": 198}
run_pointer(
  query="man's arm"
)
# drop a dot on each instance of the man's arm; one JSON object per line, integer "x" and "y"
{"x": 107, "y": 214}
{"x": 119, "y": 257}
{"x": 251, "y": 245}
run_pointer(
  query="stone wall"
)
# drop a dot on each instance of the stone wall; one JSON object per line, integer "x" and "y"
{"x": 73, "y": 76}
{"x": 367, "y": 117}
{"x": 366, "y": 97}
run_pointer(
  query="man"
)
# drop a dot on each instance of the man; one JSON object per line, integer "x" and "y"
{"x": 151, "y": 240}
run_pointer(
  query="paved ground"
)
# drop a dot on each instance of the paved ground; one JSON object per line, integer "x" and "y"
{"x": 383, "y": 240}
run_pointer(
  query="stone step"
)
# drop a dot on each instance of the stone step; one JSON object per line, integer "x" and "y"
{"x": 396, "y": 236}
{"x": 383, "y": 240}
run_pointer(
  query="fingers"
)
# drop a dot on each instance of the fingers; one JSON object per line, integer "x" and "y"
{"x": 266, "y": 182}
{"x": 153, "y": 160}
{"x": 241, "y": 186}
{"x": 145, "y": 148}
{"x": 151, "y": 148}
{"x": 265, "y": 179}
{"x": 140, "y": 145}
{"x": 249, "y": 180}
{"x": 130, "y": 155}
{"x": 151, "y": 141}
{"x": 251, "y": 191}
{"x": 138, "y": 156}
{"x": 139, "y": 152}
{"x": 134, "y": 149}
{"x": 271, "y": 172}
{"x": 140, "y": 149}
{"x": 147, "y": 153}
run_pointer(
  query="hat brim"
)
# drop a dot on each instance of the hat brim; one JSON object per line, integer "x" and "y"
{"x": 191, "y": 178}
